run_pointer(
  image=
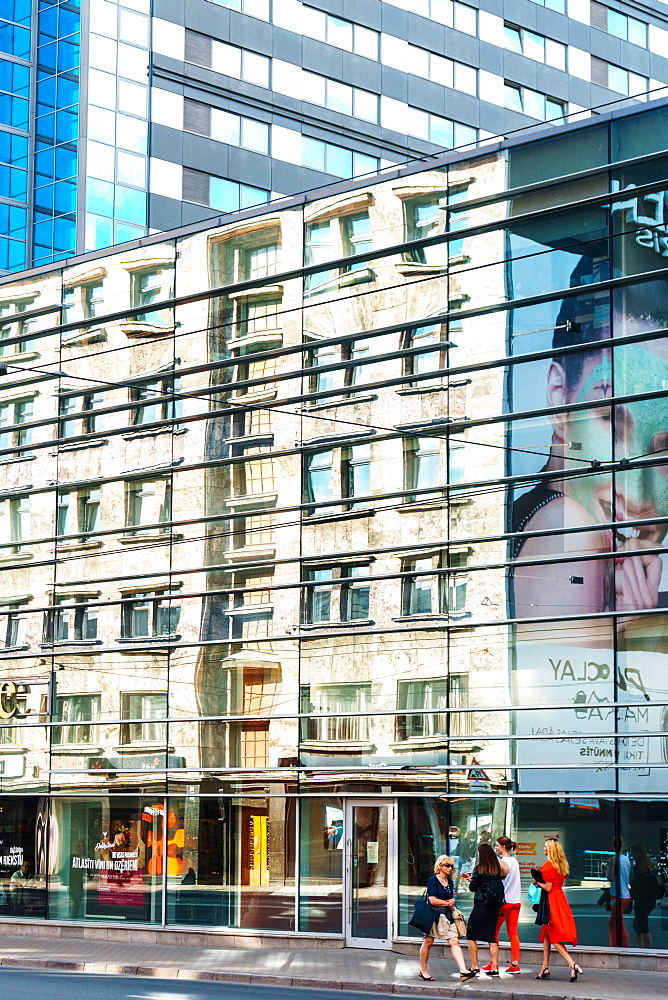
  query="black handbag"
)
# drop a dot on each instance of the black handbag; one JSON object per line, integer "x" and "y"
{"x": 424, "y": 914}
{"x": 543, "y": 909}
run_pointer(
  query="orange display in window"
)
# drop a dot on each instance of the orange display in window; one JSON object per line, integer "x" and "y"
{"x": 173, "y": 842}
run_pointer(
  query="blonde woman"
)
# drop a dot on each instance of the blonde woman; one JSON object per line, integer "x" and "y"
{"x": 560, "y": 930}
{"x": 441, "y": 895}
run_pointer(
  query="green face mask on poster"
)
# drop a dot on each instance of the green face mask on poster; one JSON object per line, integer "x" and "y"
{"x": 640, "y": 429}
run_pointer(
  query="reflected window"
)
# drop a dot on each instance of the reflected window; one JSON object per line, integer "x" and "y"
{"x": 420, "y": 590}
{"x": 422, "y": 461}
{"x": 149, "y": 287}
{"x": 319, "y": 485}
{"x": 148, "y": 614}
{"x": 13, "y": 433}
{"x": 345, "y": 236}
{"x": 428, "y": 698}
{"x": 356, "y": 474}
{"x": 249, "y": 257}
{"x": 433, "y": 360}
{"x": 155, "y": 402}
{"x": 78, "y": 515}
{"x": 76, "y": 712}
{"x": 250, "y": 611}
{"x": 337, "y": 593}
{"x": 82, "y": 301}
{"x": 426, "y": 217}
{"x": 336, "y": 698}
{"x": 148, "y": 506}
{"x": 14, "y": 337}
{"x": 71, "y": 619}
{"x": 253, "y": 531}
{"x": 14, "y": 525}
{"x": 87, "y": 421}
{"x": 455, "y": 584}
{"x": 322, "y": 357}
{"x": 14, "y": 625}
{"x": 148, "y": 707}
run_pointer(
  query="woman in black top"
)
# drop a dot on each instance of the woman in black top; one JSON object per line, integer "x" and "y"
{"x": 487, "y": 884}
{"x": 441, "y": 895}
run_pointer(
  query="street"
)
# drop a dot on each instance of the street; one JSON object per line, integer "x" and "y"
{"x": 26, "y": 984}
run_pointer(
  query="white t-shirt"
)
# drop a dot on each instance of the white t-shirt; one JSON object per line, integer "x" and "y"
{"x": 619, "y": 873}
{"x": 511, "y": 882}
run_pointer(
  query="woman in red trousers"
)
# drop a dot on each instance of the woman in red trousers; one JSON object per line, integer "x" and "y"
{"x": 560, "y": 930}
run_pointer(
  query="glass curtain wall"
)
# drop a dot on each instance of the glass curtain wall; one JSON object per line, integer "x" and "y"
{"x": 268, "y": 548}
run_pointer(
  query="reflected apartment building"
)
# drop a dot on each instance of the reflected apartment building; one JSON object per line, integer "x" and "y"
{"x": 331, "y": 540}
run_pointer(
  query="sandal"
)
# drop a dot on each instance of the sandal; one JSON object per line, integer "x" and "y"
{"x": 427, "y": 978}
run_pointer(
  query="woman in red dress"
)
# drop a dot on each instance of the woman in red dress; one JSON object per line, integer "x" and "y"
{"x": 560, "y": 930}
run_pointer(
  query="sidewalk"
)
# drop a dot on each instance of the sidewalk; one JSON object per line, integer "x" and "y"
{"x": 338, "y": 969}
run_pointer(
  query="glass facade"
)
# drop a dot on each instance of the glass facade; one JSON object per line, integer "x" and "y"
{"x": 312, "y": 572}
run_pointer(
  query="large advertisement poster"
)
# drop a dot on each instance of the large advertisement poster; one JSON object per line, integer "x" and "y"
{"x": 588, "y": 511}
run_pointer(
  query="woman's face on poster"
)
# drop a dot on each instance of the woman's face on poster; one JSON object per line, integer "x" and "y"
{"x": 630, "y": 431}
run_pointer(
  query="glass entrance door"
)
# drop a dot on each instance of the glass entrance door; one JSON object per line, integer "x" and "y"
{"x": 370, "y": 873}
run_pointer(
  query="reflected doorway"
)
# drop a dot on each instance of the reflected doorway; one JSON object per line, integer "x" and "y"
{"x": 370, "y": 873}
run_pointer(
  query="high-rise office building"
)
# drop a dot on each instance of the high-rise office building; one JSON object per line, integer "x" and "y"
{"x": 124, "y": 117}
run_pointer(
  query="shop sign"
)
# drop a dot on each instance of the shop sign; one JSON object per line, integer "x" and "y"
{"x": 9, "y": 706}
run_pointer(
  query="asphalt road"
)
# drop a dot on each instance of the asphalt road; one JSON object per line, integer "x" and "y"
{"x": 26, "y": 984}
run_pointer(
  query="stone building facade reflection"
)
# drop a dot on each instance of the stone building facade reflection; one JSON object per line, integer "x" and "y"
{"x": 331, "y": 539}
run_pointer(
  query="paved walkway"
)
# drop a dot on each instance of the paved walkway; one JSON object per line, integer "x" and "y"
{"x": 338, "y": 969}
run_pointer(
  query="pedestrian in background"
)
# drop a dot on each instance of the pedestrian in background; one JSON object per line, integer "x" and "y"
{"x": 512, "y": 893}
{"x": 487, "y": 885}
{"x": 441, "y": 895}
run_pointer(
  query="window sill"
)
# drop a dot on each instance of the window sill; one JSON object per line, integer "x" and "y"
{"x": 9, "y": 748}
{"x": 407, "y": 267}
{"x": 172, "y": 637}
{"x": 346, "y": 515}
{"x": 60, "y": 643}
{"x": 251, "y": 553}
{"x": 17, "y": 557}
{"x": 154, "y": 432}
{"x": 146, "y": 329}
{"x": 78, "y": 546}
{"x": 96, "y": 335}
{"x": 146, "y": 536}
{"x": 360, "y": 276}
{"x": 79, "y": 445}
{"x": 26, "y": 356}
{"x": 331, "y": 403}
{"x": 420, "y": 743}
{"x": 435, "y": 617}
{"x": 13, "y": 649}
{"x": 422, "y": 505}
{"x": 341, "y": 746}
{"x": 20, "y": 458}
{"x": 252, "y": 500}
{"x": 76, "y": 749}
{"x": 354, "y": 623}
{"x": 420, "y": 389}
{"x": 148, "y": 746}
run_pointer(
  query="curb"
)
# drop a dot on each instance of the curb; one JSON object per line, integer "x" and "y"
{"x": 297, "y": 982}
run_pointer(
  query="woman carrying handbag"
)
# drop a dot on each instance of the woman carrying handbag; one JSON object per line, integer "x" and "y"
{"x": 441, "y": 895}
{"x": 560, "y": 929}
{"x": 487, "y": 884}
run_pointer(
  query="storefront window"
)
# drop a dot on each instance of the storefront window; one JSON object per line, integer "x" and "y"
{"x": 321, "y": 865}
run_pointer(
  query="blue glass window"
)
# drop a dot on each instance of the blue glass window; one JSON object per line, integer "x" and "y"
{"x": 100, "y": 198}
{"x": 14, "y": 111}
{"x": 67, "y": 126}
{"x": 44, "y": 198}
{"x": 47, "y": 57}
{"x": 14, "y": 78}
{"x": 15, "y": 40}
{"x": 13, "y": 221}
{"x": 14, "y": 149}
{"x": 46, "y": 95}
{"x": 224, "y": 195}
{"x": 12, "y": 254}
{"x": 66, "y": 162}
{"x": 13, "y": 183}
{"x": 63, "y": 234}
{"x": 45, "y": 128}
{"x": 99, "y": 232}
{"x": 17, "y": 10}
{"x": 252, "y": 196}
{"x": 65, "y": 197}
{"x": 126, "y": 232}
{"x": 130, "y": 205}
{"x": 68, "y": 90}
